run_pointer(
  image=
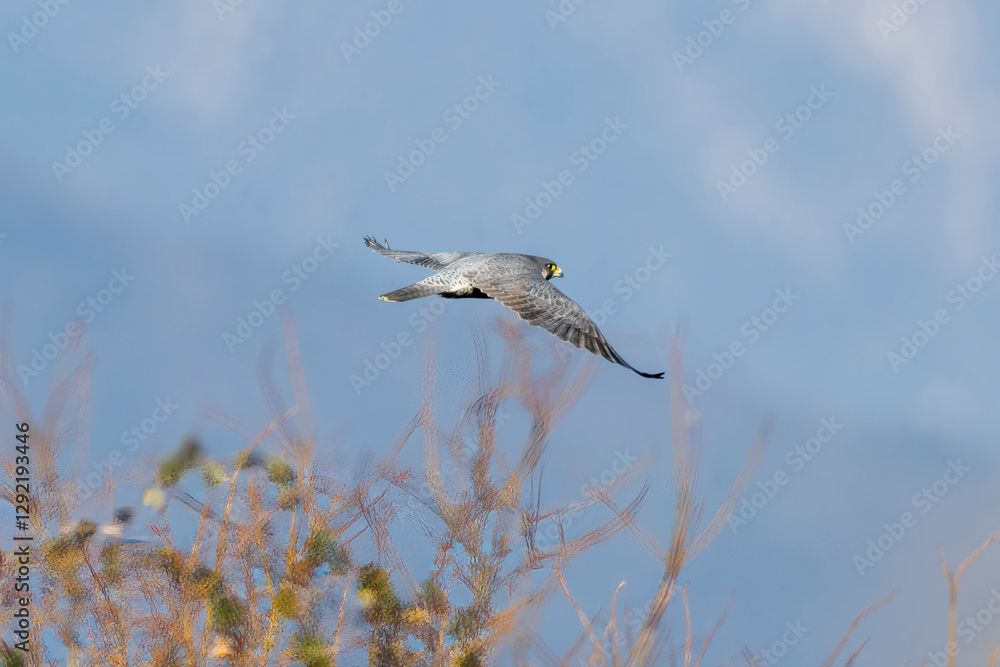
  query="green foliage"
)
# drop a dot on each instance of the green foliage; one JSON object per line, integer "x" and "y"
{"x": 206, "y": 582}
{"x": 84, "y": 531}
{"x": 200, "y": 581}
{"x": 249, "y": 458}
{"x": 286, "y": 603}
{"x": 66, "y": 555}
{"x": 112, "y": 563}
{"x": 322, "y": 546}
{"x": 214, "y": 473}
{"x": 12, "y": 657}
{"x": 471, "y": 658}
{"x": 170, "y": 473}
{"x": 170, "y": 562}
{"x": 280, "y": 472}
{"x": 466, "y": 624}
{"x": 383, "y": 611}
{"x": 310, "y": 650}
{"x": 288, "y": 498}
{"x": 433, "y": 598}
{"x": 62, "y": 554}
{"x": 172, "y": 469}
{"x": 228, "y": 614}
{"x": 380, "y": 603}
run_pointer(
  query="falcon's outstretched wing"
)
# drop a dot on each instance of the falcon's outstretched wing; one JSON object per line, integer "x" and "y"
{"x": 435, "y": 261}
{"x": 540, "y": 303}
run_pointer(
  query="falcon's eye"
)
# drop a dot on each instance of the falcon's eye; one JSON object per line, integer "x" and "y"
{"x": 552, "y": 267}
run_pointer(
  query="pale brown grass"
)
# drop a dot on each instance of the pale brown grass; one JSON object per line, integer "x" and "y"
{"x": 269, "y": 575}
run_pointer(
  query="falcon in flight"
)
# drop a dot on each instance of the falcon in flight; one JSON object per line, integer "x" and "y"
{"x": 520, "y": 282}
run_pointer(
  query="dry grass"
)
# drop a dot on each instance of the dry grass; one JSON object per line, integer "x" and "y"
{"x": 686, "y": 540}
{"x": 271, "y": 545}
{"x": 953, "y": 580}
{"x": 266, "y": 570}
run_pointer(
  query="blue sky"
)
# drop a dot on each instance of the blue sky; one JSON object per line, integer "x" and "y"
{"x": 808, "y": 111}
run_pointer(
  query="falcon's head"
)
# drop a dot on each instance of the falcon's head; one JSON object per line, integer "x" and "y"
{"x": 549, "y": 268}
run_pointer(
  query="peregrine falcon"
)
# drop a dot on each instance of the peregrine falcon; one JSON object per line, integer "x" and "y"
{"x": 520, "y": 282}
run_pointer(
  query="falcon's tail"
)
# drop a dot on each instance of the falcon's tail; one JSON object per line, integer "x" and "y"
{"x": 415, "y": 291}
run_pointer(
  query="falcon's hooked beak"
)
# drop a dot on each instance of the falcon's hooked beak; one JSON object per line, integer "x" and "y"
{"x": 557, "y": 272}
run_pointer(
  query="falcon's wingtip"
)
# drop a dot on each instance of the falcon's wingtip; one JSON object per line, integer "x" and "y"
{"x": 372, "y": 243}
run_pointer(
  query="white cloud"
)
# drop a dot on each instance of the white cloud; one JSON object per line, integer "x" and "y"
{"x": 212, "y": 55}
{"x": 932, "y": 64}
